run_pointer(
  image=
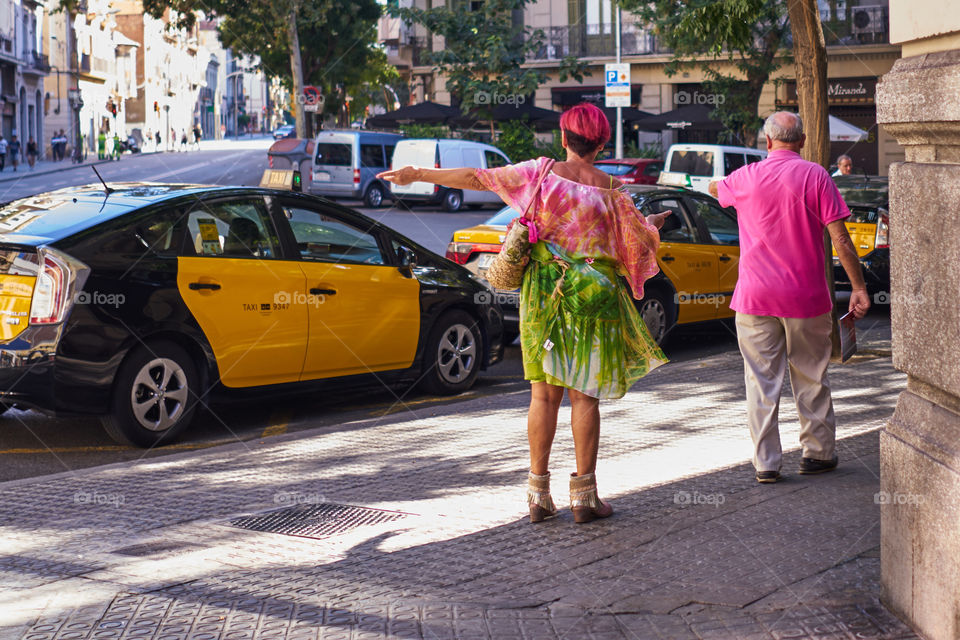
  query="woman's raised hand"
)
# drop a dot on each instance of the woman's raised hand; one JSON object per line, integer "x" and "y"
{"x": 657, "y": 219}
{"x": 402, "y": 176}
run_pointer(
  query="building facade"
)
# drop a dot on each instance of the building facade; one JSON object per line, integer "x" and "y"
{"x": 23, "y": 68}
{"x": 858, "y": 49}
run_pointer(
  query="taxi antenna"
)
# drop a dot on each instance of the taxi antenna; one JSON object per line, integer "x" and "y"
{"x": 105, "y": 187}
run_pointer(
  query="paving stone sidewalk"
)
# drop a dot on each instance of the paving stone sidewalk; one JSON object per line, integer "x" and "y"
{"x": 439, "y": 546}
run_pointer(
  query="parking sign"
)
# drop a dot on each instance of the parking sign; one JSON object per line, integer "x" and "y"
{"x": 617, "y": 85}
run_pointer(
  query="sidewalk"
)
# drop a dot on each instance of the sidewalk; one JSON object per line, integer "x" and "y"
{"x": 181, "y": 547}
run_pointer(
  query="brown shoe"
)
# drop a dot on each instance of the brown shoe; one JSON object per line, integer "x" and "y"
{"x": 538, "y": 497}
{"x": 584, "y": 501}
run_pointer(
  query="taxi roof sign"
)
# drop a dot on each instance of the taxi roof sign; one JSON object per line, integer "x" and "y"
{"x": 674, "y": 179}
{"x": 288, "y": 179}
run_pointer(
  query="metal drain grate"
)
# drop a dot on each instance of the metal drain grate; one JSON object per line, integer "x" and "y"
{"x": 316, "y": 520}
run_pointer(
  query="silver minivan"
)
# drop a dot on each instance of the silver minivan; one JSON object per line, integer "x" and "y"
{"x": 346, "y": 164}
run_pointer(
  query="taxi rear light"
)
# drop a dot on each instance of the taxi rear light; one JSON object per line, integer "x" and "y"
{"x": 882, "y": 241}
{"x": 356, "y": 177}
{"x": 460, "y": 252}
{"x": 59, "y": 277}
{"x": 270, "y": 161}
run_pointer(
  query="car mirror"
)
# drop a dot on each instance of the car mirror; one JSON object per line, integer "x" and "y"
{"x": 408, "y": 260}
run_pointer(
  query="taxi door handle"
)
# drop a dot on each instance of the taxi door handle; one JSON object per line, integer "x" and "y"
{"x": 725, "y": 258}
{"x": 197, "y": 286}
{"x": 323, "y": 292}
{"x": 668, "y": 258}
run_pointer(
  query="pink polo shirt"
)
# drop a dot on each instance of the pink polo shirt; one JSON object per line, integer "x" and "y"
{"x": 783, "y": 204}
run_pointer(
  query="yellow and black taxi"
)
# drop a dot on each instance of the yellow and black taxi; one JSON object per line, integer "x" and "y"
{"x": 869, "y": 227}
{"x": 131, "y": 301}
{"x": 698, "y": 258}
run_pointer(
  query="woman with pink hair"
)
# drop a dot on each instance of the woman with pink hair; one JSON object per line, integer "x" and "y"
{"x": 579, "y": 330}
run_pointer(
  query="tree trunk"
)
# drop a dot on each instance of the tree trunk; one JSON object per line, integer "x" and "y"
{"x": 810, "y": 61}
{"x": 296, "y": 68}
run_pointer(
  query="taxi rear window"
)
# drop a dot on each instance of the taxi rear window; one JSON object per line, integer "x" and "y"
{"x": 867, "y": 215}
{"x": 16, "y": 262}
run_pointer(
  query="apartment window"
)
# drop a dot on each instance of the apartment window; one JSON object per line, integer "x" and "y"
{"x": 599, "y": 17}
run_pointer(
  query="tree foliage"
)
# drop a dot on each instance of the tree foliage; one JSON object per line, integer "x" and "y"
{"x": 749, "y": 34}
{"x": 484, "y": 50}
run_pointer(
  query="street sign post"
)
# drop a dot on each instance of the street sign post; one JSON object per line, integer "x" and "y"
{"x": 617, "y": 85}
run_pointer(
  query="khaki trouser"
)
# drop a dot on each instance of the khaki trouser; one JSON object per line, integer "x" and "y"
{"x": 768, "y": 345}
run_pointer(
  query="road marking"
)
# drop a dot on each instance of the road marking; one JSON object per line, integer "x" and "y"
{"x": 166, "y": 174}
{"x": 278, "y": 424}
{"x": 402, "y": 405}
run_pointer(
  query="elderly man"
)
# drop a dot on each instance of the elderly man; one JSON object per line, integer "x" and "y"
{"x": 844, "y": 166}
{"x": 782, "y": 300}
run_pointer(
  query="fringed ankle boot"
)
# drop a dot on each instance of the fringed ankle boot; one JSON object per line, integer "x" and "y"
{"x": 538, "y": 496}
{"x": 584, "y": 501}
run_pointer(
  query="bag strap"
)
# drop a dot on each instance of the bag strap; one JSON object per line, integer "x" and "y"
{"x": 544, "y": 171}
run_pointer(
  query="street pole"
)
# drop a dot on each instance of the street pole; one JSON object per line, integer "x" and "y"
{"x": 619, "y": 135}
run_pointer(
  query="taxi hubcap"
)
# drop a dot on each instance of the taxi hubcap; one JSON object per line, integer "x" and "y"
{"x": 159, "y": 394}
{"x": 655, "y": 317}
{"x": 457, "y": 353}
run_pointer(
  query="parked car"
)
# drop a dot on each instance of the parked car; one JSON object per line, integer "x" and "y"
{"x": 285, "y": 131}
{"x": 132, "y": 304}
{"x": 698, "y": 258}
{"x": 632, "y": 170}
{"x": 869, "y": 227}
{"x": 346, "y": 164}
{"x": 445, "y": 154}
{"x": 696, "y": 165}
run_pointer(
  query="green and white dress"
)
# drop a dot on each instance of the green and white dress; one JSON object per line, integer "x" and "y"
{"x": 579, "y": 327}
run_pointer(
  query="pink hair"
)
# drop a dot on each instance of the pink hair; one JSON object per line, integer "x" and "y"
{"x": 588, "y": 122}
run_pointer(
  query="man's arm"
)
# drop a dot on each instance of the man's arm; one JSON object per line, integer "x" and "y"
{"x": 713, "y": 188}
{"x": 859, "y": 300}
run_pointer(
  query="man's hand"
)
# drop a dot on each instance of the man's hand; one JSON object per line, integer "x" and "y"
{"x": 402, "y": 176}
{"x": 859, "y": 303}
{"x": 657, "y": 219}
{"x": 713, "y": 188}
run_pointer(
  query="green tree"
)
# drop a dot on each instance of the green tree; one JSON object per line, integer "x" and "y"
{"x": 485, "y": 46}
{"x": 748, "y": 34}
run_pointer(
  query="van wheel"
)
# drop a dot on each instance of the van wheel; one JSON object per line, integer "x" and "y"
{"x": 657, "y": 315}
{"x": 374, "y": 196}
{"x": 154, "y": 396}
{"x": 453, "y": 200}
{"x": 452, "y": 358}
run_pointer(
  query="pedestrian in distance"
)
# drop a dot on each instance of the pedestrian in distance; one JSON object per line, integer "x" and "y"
{"x": 116, "y": 150}
{"x": 784, "y": 311}
{"x": 59, "y": 146}
{"x": 157, "y": 136}
{"x": 102, "y": 145}
{"x": 3, "y": 152}
{"x": 197, "y": 135}
{"x": 31, "y": 152}
{"x": 580, "y": 332}
{"x": 183, "y": 140}
{"x": 14, "y": 148}
{"x": 844, "y": 166}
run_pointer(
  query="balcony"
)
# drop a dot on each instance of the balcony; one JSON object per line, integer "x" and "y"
{"x": 6, "y": 46}
{"x": 40, "y": 61}
{"x": 856, "y": 25}
{"x": 595, "y": 41}
{"x": 421, "y": 46}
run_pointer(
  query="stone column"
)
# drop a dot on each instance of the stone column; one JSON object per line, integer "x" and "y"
{"x": 918, "y": 103}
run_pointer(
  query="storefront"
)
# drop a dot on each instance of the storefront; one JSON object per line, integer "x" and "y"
{"x": 851, "y": 100}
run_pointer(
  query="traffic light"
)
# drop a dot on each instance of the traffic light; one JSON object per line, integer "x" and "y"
{"x": 156, "y": 106}
{"x": 113, "y": 109}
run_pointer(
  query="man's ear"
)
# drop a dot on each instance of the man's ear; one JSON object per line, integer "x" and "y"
{"x": 769, "y": 143}
{"x": 803, "y": 139}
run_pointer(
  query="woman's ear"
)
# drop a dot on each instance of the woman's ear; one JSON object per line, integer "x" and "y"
{"x": 563, "y": 138}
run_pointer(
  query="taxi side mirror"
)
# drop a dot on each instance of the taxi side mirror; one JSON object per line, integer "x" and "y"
{"x": 408, "y": 260}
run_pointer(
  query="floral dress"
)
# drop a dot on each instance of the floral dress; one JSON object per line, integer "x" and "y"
{"x": 578, "y": 326}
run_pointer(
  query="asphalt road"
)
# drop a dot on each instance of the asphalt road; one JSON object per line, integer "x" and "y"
{"x": 33, "y": 444}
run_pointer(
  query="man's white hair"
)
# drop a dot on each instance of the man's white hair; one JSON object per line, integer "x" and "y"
{"x": 783, "y": 126}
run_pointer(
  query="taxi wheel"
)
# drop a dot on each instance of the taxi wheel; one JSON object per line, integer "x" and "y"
{"x": 154, "y": 397}
{"x": 452, "y": 358}
{"x": 374, "y": 196}
{"x": 656, "y": 314}
{"x": 453, "y": 200}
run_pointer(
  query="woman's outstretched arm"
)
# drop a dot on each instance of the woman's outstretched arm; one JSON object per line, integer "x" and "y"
{"x": 464, "y": 178}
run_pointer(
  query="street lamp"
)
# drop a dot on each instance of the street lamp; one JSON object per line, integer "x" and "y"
{"x": 76, "y": 103}
{"x": 166, "y": 108}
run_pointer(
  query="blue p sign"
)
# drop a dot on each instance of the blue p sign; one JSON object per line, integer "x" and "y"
{"x": 612, "y": 76}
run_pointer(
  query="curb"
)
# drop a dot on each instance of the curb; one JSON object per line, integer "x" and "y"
{"x": 16, "y": 175}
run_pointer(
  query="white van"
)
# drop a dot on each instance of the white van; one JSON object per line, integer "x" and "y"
{"x": 697, "y": 165}
{"x": 445, "y": 153}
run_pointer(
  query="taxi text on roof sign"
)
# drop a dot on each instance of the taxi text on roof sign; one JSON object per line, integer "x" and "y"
{"x": 288, "y": 179}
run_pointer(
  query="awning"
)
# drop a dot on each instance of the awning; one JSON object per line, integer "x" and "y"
{"x": 693, "y": 116}
{"x": 423, "y": 113}
{"x": 121, "y": 40}
{"x": 842, "y": 131}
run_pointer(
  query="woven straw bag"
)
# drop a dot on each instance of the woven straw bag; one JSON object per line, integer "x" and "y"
{"x": 506, "y": 270}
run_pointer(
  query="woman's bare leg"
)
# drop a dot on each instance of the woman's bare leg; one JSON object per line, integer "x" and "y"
{"x": 585, "y": 420}
{"x": 545, "y": 402}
